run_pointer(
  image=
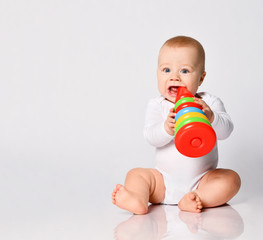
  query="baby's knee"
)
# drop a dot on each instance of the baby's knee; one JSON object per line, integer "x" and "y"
{"x": 233, "y": 180}
{"x": 236, "y": 179}
{"x": 136, "y": 171}
{"x": 144, "y": 173}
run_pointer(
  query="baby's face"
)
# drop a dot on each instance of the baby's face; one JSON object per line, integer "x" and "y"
{"x": 179, "y": 66}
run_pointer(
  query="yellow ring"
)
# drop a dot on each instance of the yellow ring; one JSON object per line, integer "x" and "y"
{"x": 189, "y": 115}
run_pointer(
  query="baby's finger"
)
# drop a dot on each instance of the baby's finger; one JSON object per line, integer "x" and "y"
{"x": 171, "y": 120}
{"x": 171, "y": 116}
{"x": 200, "y": 102}
{"x": 171, "y": 110}
{"x": 171, "y": 113}
{"x": 171, "y": 125}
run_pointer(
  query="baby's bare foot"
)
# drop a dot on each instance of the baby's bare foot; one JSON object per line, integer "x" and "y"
{"x": 128, "y": 200}
{"x": 190, "y": 203}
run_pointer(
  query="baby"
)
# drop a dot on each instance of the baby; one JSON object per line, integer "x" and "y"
{"x": 192, "y": 183}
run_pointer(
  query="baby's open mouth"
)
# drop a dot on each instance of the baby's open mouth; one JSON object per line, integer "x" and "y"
{"x": 172, "y": 90}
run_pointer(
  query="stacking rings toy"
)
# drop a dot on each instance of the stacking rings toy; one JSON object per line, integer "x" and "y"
{"x": 194, "y": 135}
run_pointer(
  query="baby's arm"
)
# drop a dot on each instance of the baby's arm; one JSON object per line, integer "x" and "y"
{"x": 157, "y": 130}
{"x": 218, "y": 117}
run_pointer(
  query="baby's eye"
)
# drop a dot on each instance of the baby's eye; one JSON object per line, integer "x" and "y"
{"x": 184, "y": 71}
{"x": 166, "y": 70}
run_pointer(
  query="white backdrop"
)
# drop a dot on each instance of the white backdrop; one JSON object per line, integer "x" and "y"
{"x": 75, "y": 79}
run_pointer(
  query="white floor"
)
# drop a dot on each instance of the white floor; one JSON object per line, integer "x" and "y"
{"x": 53, "y": 213}
{"x": 241, "y": 220}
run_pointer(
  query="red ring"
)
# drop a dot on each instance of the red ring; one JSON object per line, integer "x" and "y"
{"x": 186, "y": 143}
{"x": 188, "y": 104}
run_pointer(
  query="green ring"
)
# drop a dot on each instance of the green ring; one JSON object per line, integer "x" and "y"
{"x": 190, "y": 120}
{"x": 183, "y": 100}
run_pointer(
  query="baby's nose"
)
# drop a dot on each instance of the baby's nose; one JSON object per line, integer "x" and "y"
{"x": 174, "y": 77}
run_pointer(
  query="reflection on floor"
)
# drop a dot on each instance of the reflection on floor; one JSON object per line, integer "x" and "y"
{"x": 168, "y": 222}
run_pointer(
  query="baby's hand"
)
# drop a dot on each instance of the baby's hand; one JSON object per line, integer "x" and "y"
{"x": 206, "y": 109}
{"x": 170, "y": 122}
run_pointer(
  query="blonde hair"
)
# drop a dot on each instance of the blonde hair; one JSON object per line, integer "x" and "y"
{"x": 184, "y": 41}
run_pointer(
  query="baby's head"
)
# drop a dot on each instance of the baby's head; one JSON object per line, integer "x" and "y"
{"x": 181, "y": 62}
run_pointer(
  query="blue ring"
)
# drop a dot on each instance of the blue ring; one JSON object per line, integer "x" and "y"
{"x": 186, "y": 110}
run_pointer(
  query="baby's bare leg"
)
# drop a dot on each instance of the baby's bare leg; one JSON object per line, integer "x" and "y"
{"x": 216, "y": 188}
{"x": 142, "y": 185}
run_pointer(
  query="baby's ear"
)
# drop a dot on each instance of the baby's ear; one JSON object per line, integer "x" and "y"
{"x": 202, "y": 78}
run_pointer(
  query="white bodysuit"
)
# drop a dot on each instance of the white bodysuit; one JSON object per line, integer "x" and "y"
{"x": 182, "y": 174}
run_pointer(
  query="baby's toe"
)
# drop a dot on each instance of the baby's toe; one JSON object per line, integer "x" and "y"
{"x": 199, "y": 206}
{"x": 118, "y": 186}
{"x": 198, "y": 198}
{"x": 192, "y": 196}
{"x": 114, "y": 198}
